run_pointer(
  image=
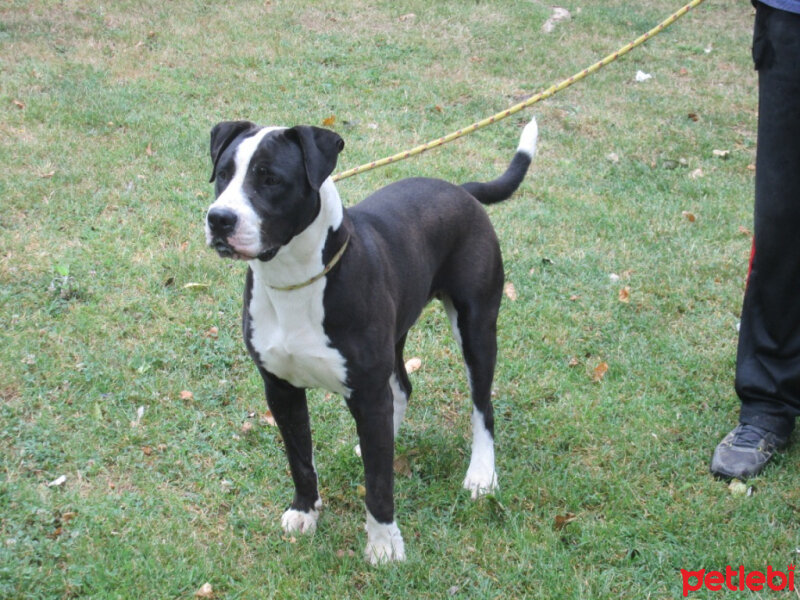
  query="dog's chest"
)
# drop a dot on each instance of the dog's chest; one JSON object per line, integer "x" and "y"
{"x": 286, "y": 330}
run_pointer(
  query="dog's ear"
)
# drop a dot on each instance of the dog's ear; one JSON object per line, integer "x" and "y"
{"x": 221, "y": 137}
{"x": 321, "y": 148}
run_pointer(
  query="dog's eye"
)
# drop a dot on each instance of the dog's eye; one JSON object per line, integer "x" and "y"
{"x": 223, "y": 175}
{"x": 264, "y": 176}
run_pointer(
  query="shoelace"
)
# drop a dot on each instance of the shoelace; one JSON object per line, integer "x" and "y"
{"x": 749, "y": 436}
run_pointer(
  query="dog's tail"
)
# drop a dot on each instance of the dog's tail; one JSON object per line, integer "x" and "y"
{"x": 505, "y": 185}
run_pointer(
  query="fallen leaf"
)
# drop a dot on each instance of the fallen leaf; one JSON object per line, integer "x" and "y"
{"x": 268, "y": 419}
{"x": 722, "y": 153}
{"x": 361, "y": 491}
{"x": 613, "y": 157}
{"x": 19, "y": 104}
{"x": 613, "y": 277}
{"x": 408, "y": 17}
{"x": 696, "y": 174}
{"x": 48, "y": 175}
{"x": 147, "y": 450}
{"x": 573, "y": 362}
{"x": 510, "y": 291}
{"x": 559, "y": 14}
{"x": 247, "y": 427}
{"x": 329, "y": 121}
{"x": 402, "y": 466}
{"x": 625, "y": 295}
{"x": 195, "y": 286}
{"x": 599, "y": 372}
{"x": 413, "y": 365}
{"x": 737, "y": 488}
{"x": 744, "y": 230}
{"x": 186, "y": 395}
{"x": 694, "y": 117}
{"x": 184, "y": 246}
{"x": 689, "y": 216}
{"x": 58, "y": 481}
{"x": 205, "y": 591}
{"x": 212, "y": 332}
{"x": 562, "y": 521}
{"x": 149, "y": 150}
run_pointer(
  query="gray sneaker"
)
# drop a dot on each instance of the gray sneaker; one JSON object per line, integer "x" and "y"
{"x": 745, "y": 451}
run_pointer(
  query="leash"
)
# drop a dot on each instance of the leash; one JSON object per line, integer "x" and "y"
{"x": 522, "y": 105}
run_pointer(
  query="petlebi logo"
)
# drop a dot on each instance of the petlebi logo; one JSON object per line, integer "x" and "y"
{"x": 738, "y": 579}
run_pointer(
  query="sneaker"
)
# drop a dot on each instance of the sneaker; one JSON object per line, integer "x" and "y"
{"x": 745, "y": 451}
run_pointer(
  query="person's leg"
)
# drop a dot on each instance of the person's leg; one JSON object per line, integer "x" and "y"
{"x": 768, "y": 359}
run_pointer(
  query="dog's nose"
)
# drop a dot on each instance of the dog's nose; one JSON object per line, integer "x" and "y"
{"x": 222, "y": 221}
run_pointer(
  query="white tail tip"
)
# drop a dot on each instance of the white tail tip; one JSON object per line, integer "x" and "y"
{"x": 528, "y": 139}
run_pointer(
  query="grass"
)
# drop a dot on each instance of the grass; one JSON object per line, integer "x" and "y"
{"x": 106, "y": 109}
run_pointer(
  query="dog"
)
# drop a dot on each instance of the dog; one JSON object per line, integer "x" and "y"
{"x": 331, "y": 293}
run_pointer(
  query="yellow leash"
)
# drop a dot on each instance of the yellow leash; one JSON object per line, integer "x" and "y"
{"x": 522, "y": 105}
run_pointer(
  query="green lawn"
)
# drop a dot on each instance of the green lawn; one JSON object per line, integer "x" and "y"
{"x": 627, "y": 245}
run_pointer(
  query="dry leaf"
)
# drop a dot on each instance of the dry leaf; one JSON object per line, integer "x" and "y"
{"x": 600, "y": 372}
{"x": 689, "y": 216}
{"x": 402, "y": 466}
{"x": 205, "y": 591}
{"x": 361, "y": 491}
{"x": 413, "y": 365}
{"x": 625, "y": 294}
{"x": 212, "y": 332}
{"x": 186, "y": 395}
{"x": 149, "y": 150}
{"x": 510, "y": 291}
{"x": 329, "y": 121}
{"x": 562, "y": 521}
{"x": 694, "y": 117}
{"x": 247, "y": 427}
{"x": 147, "y": 450}
{"x": 408, "y": 17}
{"x": 722, "y": 153}
{"x": 737, "y": 488}
{"x": 268, "y": 419}
{"x": 58, "y": 481}
{"x": 744, "y": 230}
{"x": 559, "y": 14}
{"x": 19, "y": 104}
{"x": 573, "y": 362}
{"x": 195, "y": 286}
{"x": 696, "y": 174}
{"x": 48, "y": 175}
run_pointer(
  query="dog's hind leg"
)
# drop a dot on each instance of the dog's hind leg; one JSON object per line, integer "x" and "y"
{"x": 400, "y": 386}
{"x": 476, "y": 333}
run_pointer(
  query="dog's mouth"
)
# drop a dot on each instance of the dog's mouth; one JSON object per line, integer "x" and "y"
{"x": 225, "y": 250}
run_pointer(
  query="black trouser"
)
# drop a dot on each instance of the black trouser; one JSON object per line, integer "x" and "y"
{"x": 768, "y": 360}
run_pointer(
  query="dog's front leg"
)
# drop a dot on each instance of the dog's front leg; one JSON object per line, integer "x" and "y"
{"x": 290, "y": 410}
{"x": 373, "y": 414}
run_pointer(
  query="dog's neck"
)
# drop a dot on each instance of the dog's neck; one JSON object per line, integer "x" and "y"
{"x": 301, "y": 259}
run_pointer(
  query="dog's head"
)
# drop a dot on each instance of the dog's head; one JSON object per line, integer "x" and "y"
{"x": 267, "y": 185}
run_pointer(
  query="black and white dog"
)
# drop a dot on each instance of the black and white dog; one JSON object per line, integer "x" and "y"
{"x": 330, "y": 296}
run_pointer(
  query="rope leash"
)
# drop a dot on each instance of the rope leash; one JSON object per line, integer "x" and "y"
{"x": 522, "y": 105}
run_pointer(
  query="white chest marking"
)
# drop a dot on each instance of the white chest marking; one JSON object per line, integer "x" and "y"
{"x": 287, "y": 333}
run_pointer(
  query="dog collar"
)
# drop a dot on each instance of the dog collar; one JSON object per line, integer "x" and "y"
{"x": 318, "y": 276}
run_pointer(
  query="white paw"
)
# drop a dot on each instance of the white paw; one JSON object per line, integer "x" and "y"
{"x": 384, "y": 542}
{"x": 298, "y": 521}
{"x": 480, "y": 482}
